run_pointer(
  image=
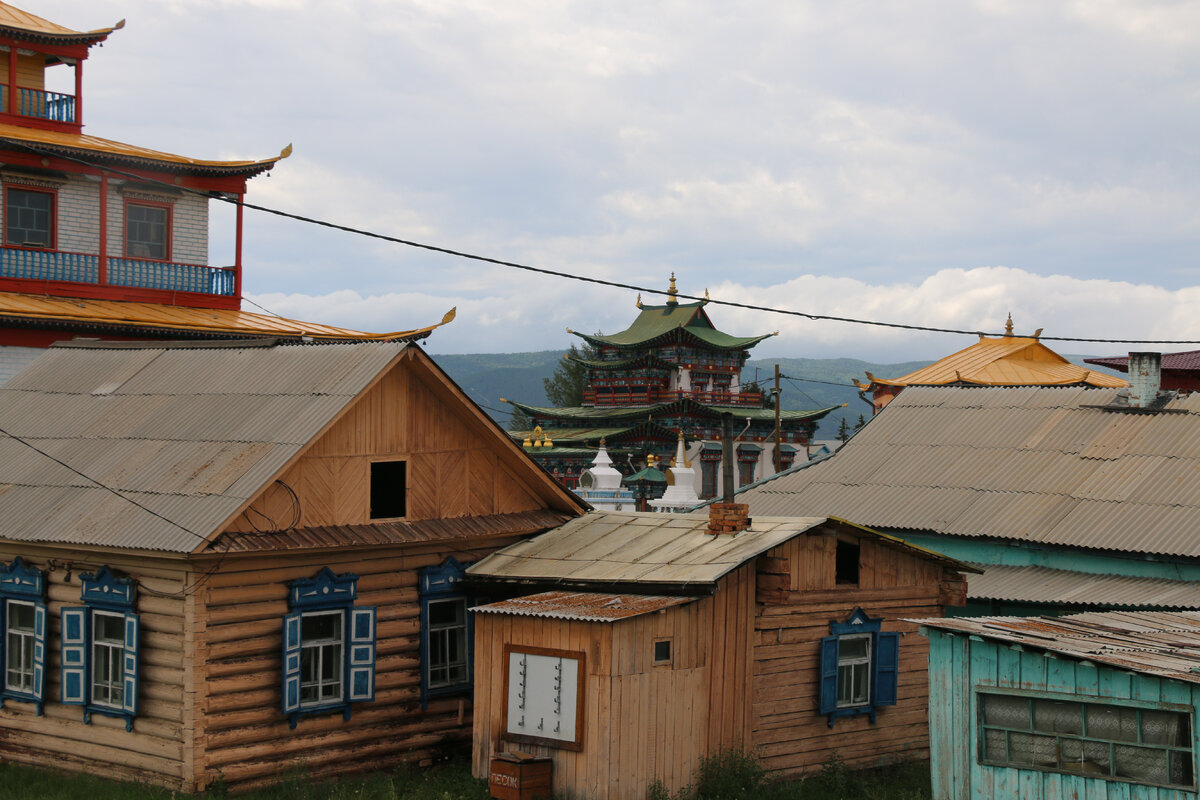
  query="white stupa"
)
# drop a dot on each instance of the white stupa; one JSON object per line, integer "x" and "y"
{"x": 681, "y": 484}
{"x": 600, "y": 485}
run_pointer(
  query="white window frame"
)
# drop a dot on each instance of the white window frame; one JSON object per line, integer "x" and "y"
{"x": 19, "y": 642}
{"x": 331, "y": 649}
{"x": 109, "y": 652}
{"x": 859, "y": 671}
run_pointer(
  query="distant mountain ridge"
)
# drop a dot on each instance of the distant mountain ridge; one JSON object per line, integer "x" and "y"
{"x": 809, "y": 382}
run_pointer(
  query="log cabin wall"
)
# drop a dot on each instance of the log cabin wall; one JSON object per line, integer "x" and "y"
{"x": 642, "y": 721}
{"x": 799, "y": 597}
{"x": 154, "y": 751}
{"x": 247, "y": 739}
{"x": 454, "y": 466}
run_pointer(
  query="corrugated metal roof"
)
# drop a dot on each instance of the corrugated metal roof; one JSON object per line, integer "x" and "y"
{"x": 653, "y": 549}
{"x": 211, "y": 322}
{"x": 1188, "y": 360}
{"x": 583, "y": 606}
{"x": 1044, "y": 585}
{"x": 1165, "y": 644}
{"x": 1038, "y": 464}
{"x": 383, "y": 533}
{"x": 188, "y": 434}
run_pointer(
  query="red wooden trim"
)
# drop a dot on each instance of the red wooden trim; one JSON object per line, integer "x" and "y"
{"x": 79, "y": 50}
{"x": 79, "y": 93}
{"x": 170, "y": 244}
{"x": 102, "y": 273}
{"x": 53, "y": 214}
{"x": 132, "y": 294}
{"x": 17, "y": 337}
{"x": 231, "y": 183}
{"x": 237, "y": 256}
{"x": 37, "y": 122}
{"x": 12, "y": 78}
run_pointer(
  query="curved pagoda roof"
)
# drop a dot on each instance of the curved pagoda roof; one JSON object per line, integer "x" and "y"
{"x": 672, "y": 322}
{"x": 574, "y": 415}
{"x": 1002, "y": 361}
{"x": 23, "y": 25}
{"x": 643, "y": 360}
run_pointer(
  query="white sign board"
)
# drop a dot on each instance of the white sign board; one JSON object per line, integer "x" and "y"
{"x": 543, "y": 693}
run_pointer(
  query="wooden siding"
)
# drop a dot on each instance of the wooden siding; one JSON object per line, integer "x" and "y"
{"x": 153, "y": 751}
{"x": 246, "y": 737}
{"x": 454, "y": 468}
{"x": 31, "y": 71}
{"x": 787, "y": 728}
{"x": 963, "y": 664}
{"x": 641, "y": 721}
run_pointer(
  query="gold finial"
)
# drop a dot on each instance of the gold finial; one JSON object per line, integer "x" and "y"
{"x": 570, "y": 331}
{"x": 546, "y": 442}
{"x": 639, "y": 300}
{"x": 672, "y": 291}
{"x": 1008, "y": 326}
{"x": 602, "y": 441}
{"x": 537, "y": 436}
{"x": 528, "y": 442}
{"x": 706, "y": 293}
{"x": 650, "y": 461}
{"x": 1037, "y": 334}
{"x": 449, "y": 316}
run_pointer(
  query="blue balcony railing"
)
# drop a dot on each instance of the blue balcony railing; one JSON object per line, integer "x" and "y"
{"x": 54, "y": 265}
{"x": 45, "y": 105}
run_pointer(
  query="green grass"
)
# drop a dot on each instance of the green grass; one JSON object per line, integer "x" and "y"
{"x": 730, "y": 775}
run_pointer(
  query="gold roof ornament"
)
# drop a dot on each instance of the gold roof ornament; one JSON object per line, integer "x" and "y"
{"x": 1038, "y": 334}
{"x": 528, "y": 442}
{"x": 546, "y": 442}
{"x": 672, "y": 299}
{"x": 537, "y": 436}
{"x": 706, "y": 293}
{"x": 639, "y": 300}
{"x": 1008, "y": 326}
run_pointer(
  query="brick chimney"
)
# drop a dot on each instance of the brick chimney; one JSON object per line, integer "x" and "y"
{"x": 727, "y": 516}
{"x": 1145, "y": 378}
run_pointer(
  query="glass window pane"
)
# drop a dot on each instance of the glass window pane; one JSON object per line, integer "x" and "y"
{"x": 20, "y": 616}
{"x": 1006, "y": 712}
{"x": 28, "y": 217}
{"x": 1055, "y": 716}
{"x": 1141, "y": 763}
{"x": 852, "y": 648}
{"x": 1112, "y": 722}
{"x": 1165, "y": 727}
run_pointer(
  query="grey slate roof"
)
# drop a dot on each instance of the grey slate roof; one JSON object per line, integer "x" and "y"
{"x": 190, "y": 433}
{"x": 1031, "y": 584}
{"x": 1038, "y": 464}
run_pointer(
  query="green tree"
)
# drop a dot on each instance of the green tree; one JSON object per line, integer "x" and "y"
{"x": 768, "y": 397}
{"x": 564, "y": 388}
{"x": 519, "y": 420}
{"x": 843, "y": 431}
{"x": 858, "y": 425}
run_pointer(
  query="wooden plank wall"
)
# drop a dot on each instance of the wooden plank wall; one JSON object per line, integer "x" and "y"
{"x": 153, "y": 751}
{"x": 791, "y": 735}
{"x": 246, "y": 737}
{"x": 642, "y": 722}
{"x": 731, "y": 659}
{"x": 452, "y": 471}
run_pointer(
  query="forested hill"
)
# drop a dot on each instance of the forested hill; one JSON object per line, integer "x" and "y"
{"x": 809, "y": 382}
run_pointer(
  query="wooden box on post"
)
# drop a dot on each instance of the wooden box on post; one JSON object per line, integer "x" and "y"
{"x": 519, "y": 776}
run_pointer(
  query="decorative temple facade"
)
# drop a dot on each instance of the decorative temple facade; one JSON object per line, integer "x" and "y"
{"x": 103, "y": 239}
{"x": 671, "y": 372}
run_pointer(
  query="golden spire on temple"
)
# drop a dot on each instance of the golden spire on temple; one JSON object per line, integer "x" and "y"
{"x": 639, "y": 300}
{"x": 1008, "y": 326}
{"x": 671, "y": 292}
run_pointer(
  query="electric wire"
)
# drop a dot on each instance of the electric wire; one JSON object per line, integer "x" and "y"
{"x": 223, "y": 197}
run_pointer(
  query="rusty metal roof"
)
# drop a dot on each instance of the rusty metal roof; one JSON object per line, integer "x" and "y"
{"x": 389, "y": 533}
{"x": 649, "y": 549}
{"x": 1044, "y": 585}
{"x": 583, "y": 606}
{"x": 185, "y": 435}
{"x": 1188, "y": 360}
{"x": 1037, "y": 464}
{"x": 184, "y": 321}
{"x": 1165, "y": 644}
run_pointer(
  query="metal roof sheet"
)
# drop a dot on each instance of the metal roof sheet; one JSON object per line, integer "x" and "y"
{"x": 1188, "y": 360}
{"x": 1165, "y": 644}
{"x": 184, "y": 435}
{"x": 1039, "y": 464}
{"x": 583, "y": 606}
{"x": 1031, "y": 584}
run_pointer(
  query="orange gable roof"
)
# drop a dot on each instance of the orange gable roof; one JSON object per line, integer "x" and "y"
{"x": 1003, "y": 361}
{"x": 114, "y": 315}
{"x": 24, "y": 22}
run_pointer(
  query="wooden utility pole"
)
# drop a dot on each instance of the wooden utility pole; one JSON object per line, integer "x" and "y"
{"x": 778, "y": 433}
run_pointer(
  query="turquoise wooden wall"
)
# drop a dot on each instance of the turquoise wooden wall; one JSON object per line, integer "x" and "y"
{"x": 961, "y": 664}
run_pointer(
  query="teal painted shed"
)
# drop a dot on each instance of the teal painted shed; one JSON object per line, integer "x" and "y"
{"x": 1097, "y": 705}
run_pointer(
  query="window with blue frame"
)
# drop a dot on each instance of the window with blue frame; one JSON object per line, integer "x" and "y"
{"x": 328, "y": 647}
{"x": 859, "y": 667}
{"x": 100, "y": 639}
{"x": 446, "y": 632}
{"x": 23, "y": 642}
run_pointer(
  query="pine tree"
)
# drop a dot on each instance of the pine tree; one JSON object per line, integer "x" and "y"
{"x": 843, "y": 432}
{"x": 564, "y": 389}
{"x": 858, "y": 425}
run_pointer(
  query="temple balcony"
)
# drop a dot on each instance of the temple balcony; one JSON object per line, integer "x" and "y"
{"x": 72, "y": 274}
{"x": 40, "y": 104}
{"x": 619, "y": 399}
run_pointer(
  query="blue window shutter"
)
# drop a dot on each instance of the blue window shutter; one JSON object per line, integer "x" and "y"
{"x": 74, "y": 656}
{"x": 291, "y": 662}
{"x": 39, "y": 653}
{"x": 887, "y": 663}
{"x": 360, "y": 655}
{"x": 829, "y": 675}
{"x": 129, "y": 664}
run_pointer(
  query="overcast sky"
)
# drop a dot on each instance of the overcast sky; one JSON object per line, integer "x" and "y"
{"x": 930, "y": 163}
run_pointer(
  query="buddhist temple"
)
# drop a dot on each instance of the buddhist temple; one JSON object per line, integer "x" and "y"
{"x": 671, "y": 372}
{"x": 104, "y": 239}
{"x": 1007, "y": 360}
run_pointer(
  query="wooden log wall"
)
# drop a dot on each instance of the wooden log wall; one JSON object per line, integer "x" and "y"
{"x": 247, "y": 739}
{"x": 153, "y": 751}
{"x": 454, "y": 467}
{"x": 641, "y": 721}
{"x": 789, "y": 732}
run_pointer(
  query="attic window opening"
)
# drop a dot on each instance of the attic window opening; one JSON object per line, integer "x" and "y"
{"x": 662, "y": 651}
{"x": 846, "y": 563}
{"x": 388, "y": 489}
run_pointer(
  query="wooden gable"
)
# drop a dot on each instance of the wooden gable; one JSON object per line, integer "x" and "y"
{"x": 458, "y": 462}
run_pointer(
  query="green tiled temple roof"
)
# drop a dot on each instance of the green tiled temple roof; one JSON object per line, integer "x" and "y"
{"x": 645, "y": 474}
{"x": 673, "y": 319}
{"x": 644, "y": 360}
{"x": 640, "y": 413}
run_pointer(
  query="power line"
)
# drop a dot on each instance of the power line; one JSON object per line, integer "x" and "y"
{"x": 815, "y": 380}
{"x": 582, "y": 278}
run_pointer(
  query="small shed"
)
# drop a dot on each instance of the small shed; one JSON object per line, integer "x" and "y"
{"x": 644, "y": 642}
{"x": 1088, "y": 705}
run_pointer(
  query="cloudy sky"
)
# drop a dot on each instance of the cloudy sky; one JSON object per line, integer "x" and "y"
{"x": 930, "y": 163}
